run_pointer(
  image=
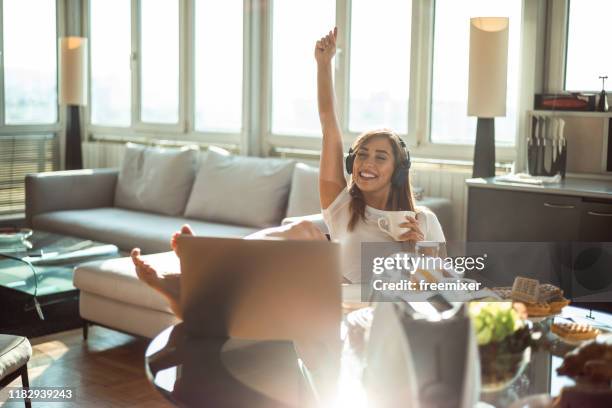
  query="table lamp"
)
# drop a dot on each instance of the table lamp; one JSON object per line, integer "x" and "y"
{"x": 488, "y": 73}
{"x": 73, "y": 94}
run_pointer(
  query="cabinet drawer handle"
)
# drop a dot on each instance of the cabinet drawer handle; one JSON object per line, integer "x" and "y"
{"x": 599, "y": 214}
{"x": 566, "y": 206}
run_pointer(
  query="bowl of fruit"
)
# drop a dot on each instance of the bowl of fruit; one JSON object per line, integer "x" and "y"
{"x": 503, "y": 343}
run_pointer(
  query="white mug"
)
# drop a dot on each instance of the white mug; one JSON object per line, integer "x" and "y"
{"x": 390, "y": 223}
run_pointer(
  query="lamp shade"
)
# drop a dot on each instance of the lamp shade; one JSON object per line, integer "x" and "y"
{"x": 488, "y": 66}
{"x": 73, "y": 71}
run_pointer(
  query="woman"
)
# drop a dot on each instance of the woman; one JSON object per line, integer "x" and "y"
{"x": 378, "y": 163}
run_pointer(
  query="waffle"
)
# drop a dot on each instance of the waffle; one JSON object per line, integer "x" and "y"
{"x": 539, "y": 309}
{"x": 504, "y": 292}
{"x": 525, "y": 290}
{"x": 548, "y": 292}
{"x": 574, "y": 331}
{"x": 557, "y": 304}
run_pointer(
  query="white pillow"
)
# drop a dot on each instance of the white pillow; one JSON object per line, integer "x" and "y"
{"x": 250, "y": 191}
{"x": 304, "y": 196}
{"x": 156, "y": 179}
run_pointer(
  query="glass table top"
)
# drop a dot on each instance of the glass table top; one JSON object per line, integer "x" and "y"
{"x": 43, "y": 264}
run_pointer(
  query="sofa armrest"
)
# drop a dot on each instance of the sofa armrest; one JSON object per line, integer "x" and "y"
{"x": 69, "y": 190}
{"x": 316, "y": 219}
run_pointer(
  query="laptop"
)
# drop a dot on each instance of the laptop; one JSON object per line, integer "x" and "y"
{"x": 264, "y": 290}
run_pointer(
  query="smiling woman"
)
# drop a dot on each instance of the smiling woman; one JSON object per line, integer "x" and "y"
{"x": 379, "y": 165}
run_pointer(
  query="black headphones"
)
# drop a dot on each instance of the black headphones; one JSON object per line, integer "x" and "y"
{"x": 400, "y": 174}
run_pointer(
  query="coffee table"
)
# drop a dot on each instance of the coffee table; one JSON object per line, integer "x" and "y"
{"x": 36, "y": 282}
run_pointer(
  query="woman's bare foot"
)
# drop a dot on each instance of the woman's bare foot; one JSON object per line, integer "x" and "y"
{"x": 185, "y": 230}
{"x": 168, "y": 285}
{"x": 144, "y": 271}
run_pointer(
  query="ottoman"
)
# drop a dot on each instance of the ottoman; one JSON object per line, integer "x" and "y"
{"x": 112, "y": 295}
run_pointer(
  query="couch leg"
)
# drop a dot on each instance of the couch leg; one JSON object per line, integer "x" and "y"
{"x": 85, "y": 330}
{"x": 25, "y": 384}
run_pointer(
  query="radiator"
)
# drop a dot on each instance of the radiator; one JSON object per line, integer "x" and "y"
{"x": 447, "y": 181}
{"x": 102, "y": 154}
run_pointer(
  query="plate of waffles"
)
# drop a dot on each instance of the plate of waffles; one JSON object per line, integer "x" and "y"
{"x": 542, "y": 301}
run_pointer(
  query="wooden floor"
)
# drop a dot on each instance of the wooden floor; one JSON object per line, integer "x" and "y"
{"x": 107, "y": 370}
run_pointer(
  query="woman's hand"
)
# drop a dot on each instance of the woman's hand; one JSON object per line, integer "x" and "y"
{"x": 326, "y": 47}
{"x": 415, "y": 233}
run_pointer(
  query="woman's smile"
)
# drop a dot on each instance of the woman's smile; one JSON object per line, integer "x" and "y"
{"x": 367, "y": 175}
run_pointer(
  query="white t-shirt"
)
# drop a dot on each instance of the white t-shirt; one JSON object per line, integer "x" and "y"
{"x": 337, "y": 217}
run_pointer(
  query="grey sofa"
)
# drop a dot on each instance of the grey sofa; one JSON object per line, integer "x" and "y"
{"x": 84, "y": 204}
{"x": 81, "y": 204}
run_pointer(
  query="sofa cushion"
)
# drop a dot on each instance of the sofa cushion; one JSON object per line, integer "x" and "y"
{"x": 304, "y": 196}
{"x": 240, "y": 190}
{"x": 116, "y": 279}
{"x": 128, "y": 229}
{"x": 156, "y": 179}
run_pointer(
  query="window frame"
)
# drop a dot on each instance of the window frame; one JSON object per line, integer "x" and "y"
{"x": 556, "y": 52}
{"x": 57, "y": 127}
{"x": 557, "y": 55}
{"x": 420, "y": 137}
{"x": 256, "y": 137}
{"x": 420, "y": 99}
{"x": 55, "y": 130}
{"x": 137, "y": 121}
{"x": 184, "y": 130}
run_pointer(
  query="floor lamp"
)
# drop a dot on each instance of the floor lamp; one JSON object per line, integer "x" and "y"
{"x": 73, "y": 94}
{"x": 487, "y": 86}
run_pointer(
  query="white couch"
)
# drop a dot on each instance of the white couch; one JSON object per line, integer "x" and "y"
{"x": 218, "y": 195}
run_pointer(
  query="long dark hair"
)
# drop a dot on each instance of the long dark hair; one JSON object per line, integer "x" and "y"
{"x": 400, "y": 198}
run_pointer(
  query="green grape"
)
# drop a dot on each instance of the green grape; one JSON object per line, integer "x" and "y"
{"x": 493, "y": 321}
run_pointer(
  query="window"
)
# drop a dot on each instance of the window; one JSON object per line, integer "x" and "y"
{"x": 28, "y": 101}
{"x": 110, "y": 50}
{"x": 159, "y": 67}
{"x": 138, "y": 52}
{"x": 587, "y": 57}
{"x": 218, "y": 65}
{"x": 192, "y": 60}
{"x": 380, "y": 64}
{"x": 30, "y": 67}
{"x": 296, "y": 26}
{"x": 449, "y": 121}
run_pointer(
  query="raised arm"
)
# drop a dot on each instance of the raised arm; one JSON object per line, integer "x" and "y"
{"x": 331, "y": 173}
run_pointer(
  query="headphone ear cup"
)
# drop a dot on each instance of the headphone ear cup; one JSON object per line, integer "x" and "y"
{"x": 348, "y": 162}
{"x": 408, "y": 161}
{"x": 400, "y": 175}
